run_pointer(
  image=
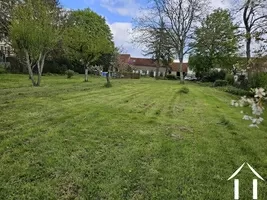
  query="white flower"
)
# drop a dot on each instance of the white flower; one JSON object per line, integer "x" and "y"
{"x": 259, "y": 93}
{"x": 255, "y": 104}
{"x": 259, "y": 120}
{"x": 246, "y": 117}
{"x": 233, "y": 102}
{"x": 250, "y": 101}
{"x": 241, "y": 103}
{"x": 253, "y": 126}
{"x": 256, "y": 109}
{"x": 254, "y": 120}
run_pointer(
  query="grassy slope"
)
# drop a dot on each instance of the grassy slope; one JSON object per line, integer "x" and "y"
{"x": 139, "y": 139}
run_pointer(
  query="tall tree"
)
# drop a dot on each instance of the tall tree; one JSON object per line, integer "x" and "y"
{"x": 216, "y": 42}
{"x": 6, "y": 11}
{"x": 150, "y": 33}
{"x": 34, "y": 31}
{"x": 254, "y": 17}
{"x": 180, "y": 18}
{"x": 87, "y": 37}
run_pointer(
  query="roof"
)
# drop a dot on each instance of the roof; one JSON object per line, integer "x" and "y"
{"x": 148, "y": 62}
{"x": 142, "y": 62}
{"x": 176, "y": 67}
{"x": 125, "y": 58}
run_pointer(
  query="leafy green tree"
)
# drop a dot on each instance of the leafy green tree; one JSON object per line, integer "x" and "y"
{"x": 216, "y": 42}
{"x": 6, "y": 11}
{"x": 87, "y": 37}
{"x": 34, "y": 32}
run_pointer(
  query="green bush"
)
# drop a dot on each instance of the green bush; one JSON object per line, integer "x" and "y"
{"x": 220, "y": 83}
{"x": 151, "y": 74}
{"x": 2, "y": 69}
{"x": 161, "y": 78}
{"x": 242, "y": 83}
{"x": 238, "y": 91}
{"x": 213, "y": 75}
{"x": 70, "y": 73}
{"x": 171, "y": 77}
{"x": 184, "y": 90}
{"x": 230, "y": 79}
{"x": 257, "y": 80}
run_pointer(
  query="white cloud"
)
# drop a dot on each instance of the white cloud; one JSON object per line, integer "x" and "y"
{"x": 121, "y": 7}
{"x": 220, "y": 4}
{"x": 122, "y": 31}
{"x": 123, "y": 38}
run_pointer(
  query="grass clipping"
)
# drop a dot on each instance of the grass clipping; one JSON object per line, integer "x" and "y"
{"x": 184, "y": 90}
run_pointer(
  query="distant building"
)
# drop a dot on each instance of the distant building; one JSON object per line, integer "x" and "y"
{"x": 145, "y": 66}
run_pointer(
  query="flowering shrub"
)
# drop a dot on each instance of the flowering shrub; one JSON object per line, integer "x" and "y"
{"x": 256, "y": 105}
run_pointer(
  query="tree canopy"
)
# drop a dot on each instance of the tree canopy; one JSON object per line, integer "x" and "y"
{"x": 34, "y": 32}
{"x": 6, "y": 12}
{"x": 87, "y": 37}
{"x": 179, "y": 17}
{"x": 216, "y": 42}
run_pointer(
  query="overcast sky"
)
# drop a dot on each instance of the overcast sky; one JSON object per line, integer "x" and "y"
{"x": 119, "y": 14}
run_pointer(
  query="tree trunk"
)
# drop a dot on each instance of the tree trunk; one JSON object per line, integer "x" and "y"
{"x": 107, "y": 77}
{"x": 40, "y": 66}
{"x": 31, "y": 76}
{"x": 38, "y": 79}
{"x": 167, "y": 70}
{"x": 248, "y": 53}
{"x": 248, "y": 49}
{"x": 181, "y": 70}
{"x": 86, "y": 74}
{"x": 28, "y": 63}
{"x": 157, "y": 70}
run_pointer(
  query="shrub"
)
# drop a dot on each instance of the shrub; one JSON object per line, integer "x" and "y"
{"x": 213, "y": 75}
{"x": 161, "y": 78}
{"x": 171, "y": 77}
{"x": 238, "y": 91}
{"x": 70, "y": 73}
{"x": 258, "y": 80}
{"x": 230, "y": 79}
{"x": 151, "y": 74}
{"x": 242, "y": 83}
{"x": 220, "y": 83}
{"x": 2, "y": 69}
{"x": 184, "y": 90}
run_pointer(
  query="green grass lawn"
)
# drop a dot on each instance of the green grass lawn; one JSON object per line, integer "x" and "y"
{"x": 140, "y": 139}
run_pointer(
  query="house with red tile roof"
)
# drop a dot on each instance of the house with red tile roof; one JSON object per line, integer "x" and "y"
{"x": 146, "y": 65}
